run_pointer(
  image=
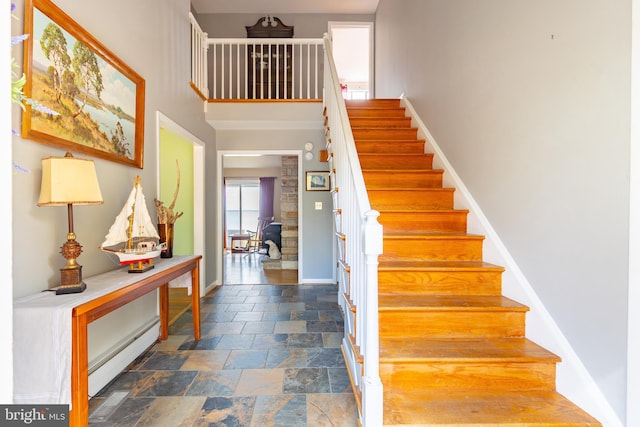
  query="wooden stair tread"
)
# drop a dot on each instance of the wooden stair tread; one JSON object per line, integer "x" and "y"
{"x": 399, "y": 155}
{"x": 391, "y": 141}
{"x": 379, "y": 122}
{"x": 398, "y": 161}
{"x": 426, "y": 235}
{"x": 352, "y": 106}
{"x": 422, "y": 211}
{"x": 432, "y": 189}
{"x": 483, "y": 409}
{"x": 404, "y": 170}
{"x": 360, "y": 112}
{"x": 407, "y": 303}
{"x": 402, "y": 349}
{"x": 371, "y": 103}
{"x": 438, "y": 266}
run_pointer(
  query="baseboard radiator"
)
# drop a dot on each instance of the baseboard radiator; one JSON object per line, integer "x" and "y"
{"x": 106, "y": 367}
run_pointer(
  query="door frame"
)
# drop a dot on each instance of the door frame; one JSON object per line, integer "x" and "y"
{"x": 633, "y": 315}
{"x": 220, "y": 211}
{"x": 370, "y": 27}
{"x": 162, "y": 121}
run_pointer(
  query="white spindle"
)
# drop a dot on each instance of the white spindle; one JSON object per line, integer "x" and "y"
{"x": 246, "y": 73}
{"x": 215, "y": 71}
{"x": 300, "y": 93}
{"x": 308, "y": 71}
{"x": 238, "y": 68}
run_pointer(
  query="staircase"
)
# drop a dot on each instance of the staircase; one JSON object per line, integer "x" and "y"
{"x": 452, "y": 348}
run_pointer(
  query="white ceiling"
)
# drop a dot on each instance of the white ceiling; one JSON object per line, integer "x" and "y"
{"x": 272, "y": 7}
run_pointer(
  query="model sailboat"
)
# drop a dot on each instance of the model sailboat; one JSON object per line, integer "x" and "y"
{"x": 133, "y": 237}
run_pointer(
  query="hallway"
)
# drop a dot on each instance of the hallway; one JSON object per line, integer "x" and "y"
{"x": 269, "y": 356}
{"x": 240, "y": 269}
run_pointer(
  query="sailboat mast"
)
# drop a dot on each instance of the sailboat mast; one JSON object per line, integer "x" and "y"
{"x": 129, "y": 245}
{"x": 130, "y": 228}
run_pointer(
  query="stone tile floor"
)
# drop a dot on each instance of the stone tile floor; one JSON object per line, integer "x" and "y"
{"x": 269, "y": 356}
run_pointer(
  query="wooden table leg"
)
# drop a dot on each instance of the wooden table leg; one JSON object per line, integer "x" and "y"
{"x": 195, "y": 299}
{"x": 79, "y": 414}
{"x": 164, "y": 311}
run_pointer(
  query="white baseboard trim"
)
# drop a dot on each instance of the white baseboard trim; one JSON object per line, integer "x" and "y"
{"x": 327, "y": 281}
{"x": 110, "y": 364}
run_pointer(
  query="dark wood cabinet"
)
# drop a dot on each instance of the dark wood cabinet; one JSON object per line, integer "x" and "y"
{"x": 270, "y": 71}
{"x": 270, "y": 64}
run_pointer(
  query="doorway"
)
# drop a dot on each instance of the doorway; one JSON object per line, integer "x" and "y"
{"x": 243, "y": 170}
{"x": 176, "y": 143}
{"x": 353, "y": 53}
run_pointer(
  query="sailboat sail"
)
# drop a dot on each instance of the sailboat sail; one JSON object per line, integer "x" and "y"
{"x": 142, "y": 225}
{"x": 133, "y": 236}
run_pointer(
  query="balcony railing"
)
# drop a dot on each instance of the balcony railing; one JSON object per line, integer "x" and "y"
{"x": 253, "y": 68}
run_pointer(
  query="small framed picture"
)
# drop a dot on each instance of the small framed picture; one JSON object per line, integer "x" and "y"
{"x": 318, "y": 181}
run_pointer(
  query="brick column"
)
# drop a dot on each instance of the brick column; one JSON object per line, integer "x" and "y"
{"x": 289, "y": 212}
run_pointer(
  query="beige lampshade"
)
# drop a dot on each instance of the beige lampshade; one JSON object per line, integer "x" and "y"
{"x": 68, "y": 180}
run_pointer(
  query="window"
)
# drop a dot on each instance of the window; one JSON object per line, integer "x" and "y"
{"x": 242, "y": 206}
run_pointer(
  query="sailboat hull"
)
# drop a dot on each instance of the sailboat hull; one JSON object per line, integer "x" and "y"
{"x": 128, "y": 258}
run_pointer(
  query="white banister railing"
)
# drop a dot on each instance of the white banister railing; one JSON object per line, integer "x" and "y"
{"x": 199, "y": 47}
{"x": 360, "y": 243}
{"x": 255, "y": 68}
{"x": 269, "y": 68}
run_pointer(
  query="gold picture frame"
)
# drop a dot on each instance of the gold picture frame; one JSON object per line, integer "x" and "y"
{"x": 99, "y": 100}
{"x": 318, "y": 181}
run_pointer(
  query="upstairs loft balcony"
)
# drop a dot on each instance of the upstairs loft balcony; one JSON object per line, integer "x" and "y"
{"x": 257, "y": 69}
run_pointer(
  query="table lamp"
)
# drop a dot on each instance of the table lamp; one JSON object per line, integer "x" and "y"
{"x": 68, "y": 181}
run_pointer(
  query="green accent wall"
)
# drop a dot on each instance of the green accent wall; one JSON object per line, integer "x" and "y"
{"x": 172, "y": 148}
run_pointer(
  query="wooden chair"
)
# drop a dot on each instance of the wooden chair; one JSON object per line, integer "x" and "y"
{"x": 255, "y": 242}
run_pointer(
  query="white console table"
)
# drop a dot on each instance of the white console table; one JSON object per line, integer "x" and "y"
{"x": 50, "y": 331}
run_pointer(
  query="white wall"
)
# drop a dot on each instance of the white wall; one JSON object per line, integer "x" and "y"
{"x": 152, "y": 37}
{"x": 530, "y": 103}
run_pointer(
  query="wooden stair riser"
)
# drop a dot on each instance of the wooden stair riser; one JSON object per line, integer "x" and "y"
{"x": 380, "y": 122}
{"x": 396, "y": 161}
{"x": 436, "y": 220}
{"x": 368, "y": 134}
{"x": 375, "y": 112}
{"x": 451, "y": 324}
{"x": 424, "y": 199}
{"x": 439, "y": 282}
{"x": 411, "y": 146}
{"x": 428, "y": 248}
{"x": 372, "y": 103}
{"x": 483, "y": 409}
{"x": 402, "y": 179}
{"x": 469, "y": 375}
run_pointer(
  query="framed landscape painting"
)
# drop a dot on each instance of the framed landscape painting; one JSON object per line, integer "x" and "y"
{"x": 93, "y": 102}
{"x": 318, "y": 181}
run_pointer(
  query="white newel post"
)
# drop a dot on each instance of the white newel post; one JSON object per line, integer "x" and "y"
{"x": 371, "y": 384}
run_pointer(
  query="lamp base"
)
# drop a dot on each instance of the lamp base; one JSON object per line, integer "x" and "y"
{"x": 70, "y": 289}
{"x": 70, "y": 279}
